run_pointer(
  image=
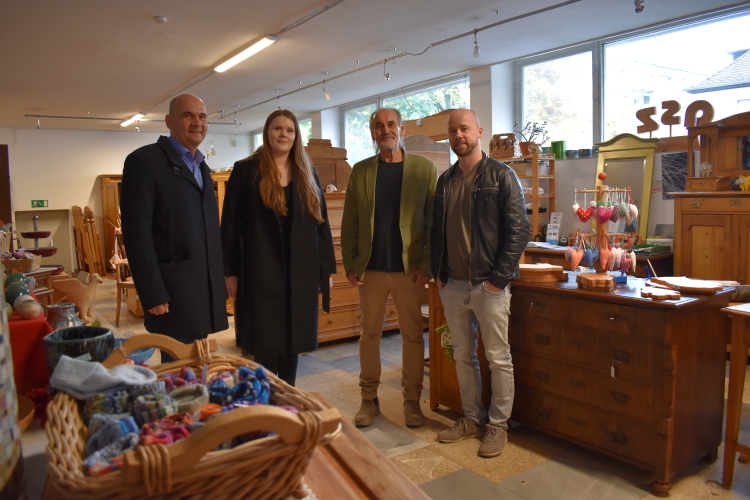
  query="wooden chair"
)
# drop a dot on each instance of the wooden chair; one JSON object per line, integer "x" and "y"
{"x": 123, "y": 283}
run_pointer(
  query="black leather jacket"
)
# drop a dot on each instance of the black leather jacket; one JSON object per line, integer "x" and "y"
{"x": 499, "y": 225}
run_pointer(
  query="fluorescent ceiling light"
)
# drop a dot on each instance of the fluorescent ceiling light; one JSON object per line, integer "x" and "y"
{"x": 131, "y": 120}
{"x": 253, "y": 49}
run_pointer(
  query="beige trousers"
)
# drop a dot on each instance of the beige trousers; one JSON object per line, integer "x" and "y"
{"x": 407, "y": 297}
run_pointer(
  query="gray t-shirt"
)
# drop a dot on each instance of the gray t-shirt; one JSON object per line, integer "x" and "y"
{"x": 458, "y": 223}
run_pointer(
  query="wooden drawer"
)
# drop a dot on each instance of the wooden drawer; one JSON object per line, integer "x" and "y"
{"x": 731, "y": 204}
{"x": 337, "y": 250}
{"x": 617, "y": 395}
{"x": 348, "y": 318}
{"x": 340, "y": 276}
{"x": 542, "y": 306}
{"x": 334, "y": 218}
{"x": 606, "y": 317}
{"x": 536, "y": 336}
{"x": 619, "y": 435}
{"x": 343, "y": 296}
{"x": 707, "y": 183}
{"x": 335, "y": 201}
{"x": 632, "y": 356}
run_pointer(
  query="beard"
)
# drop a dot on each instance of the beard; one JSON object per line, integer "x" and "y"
{"x": 464, "y": 148}
{"x": 387, "y": 143}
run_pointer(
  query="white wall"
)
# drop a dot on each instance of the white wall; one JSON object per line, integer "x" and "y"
{"x": 62, "y": 166}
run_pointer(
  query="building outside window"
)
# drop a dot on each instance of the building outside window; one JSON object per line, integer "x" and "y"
{"x": 427, "y": 102}
{"x": 708, "y": 61}
{"x": 257, "y": 139}
{"x": 559, "y": 92}
{"x": 305, "y": 129}
{"x": 357, "y": 140}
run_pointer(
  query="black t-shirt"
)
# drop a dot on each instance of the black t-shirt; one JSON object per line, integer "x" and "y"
{"x": 387, "y": 246}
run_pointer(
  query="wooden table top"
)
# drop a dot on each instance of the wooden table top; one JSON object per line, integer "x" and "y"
{"x": 351, "y": 467}
{"x": 739, "y": 309}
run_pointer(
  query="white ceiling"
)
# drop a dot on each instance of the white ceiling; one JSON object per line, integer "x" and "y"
{"x": 110, "y": 59}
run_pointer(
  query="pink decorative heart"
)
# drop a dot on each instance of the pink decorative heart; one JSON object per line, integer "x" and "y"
{"x": 604, "y": 257}
{"x": 625, "y": 265}
{"x": 575, "y": 258}
{"x": 617, "y": 252}
{"x": 611, "y": 260}
{"x": 615, "y": 213}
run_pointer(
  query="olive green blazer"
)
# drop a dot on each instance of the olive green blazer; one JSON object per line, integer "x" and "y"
{"x": 417, "y": 196}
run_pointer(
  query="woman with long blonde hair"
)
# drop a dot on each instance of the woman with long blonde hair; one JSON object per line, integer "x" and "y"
{"x": 278, "y": 249}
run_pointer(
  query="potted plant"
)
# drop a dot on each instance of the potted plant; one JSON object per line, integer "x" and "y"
{"x": 531, "y": 133}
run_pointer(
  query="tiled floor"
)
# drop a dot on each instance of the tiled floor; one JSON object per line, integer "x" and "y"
{"x": 534, "y": 466}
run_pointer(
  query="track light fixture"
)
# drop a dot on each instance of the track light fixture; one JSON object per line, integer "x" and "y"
{"x": 476, "y": 46}
{"x": 328, "y": 96}
{"x": 253, "y": 49}
{"x": 639, "y": 6}
{"x": 387, "y": 76}
{"x": 135, "y": 118}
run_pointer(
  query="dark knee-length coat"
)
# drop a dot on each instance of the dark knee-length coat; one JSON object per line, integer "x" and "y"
{"x": 171, "y": 231}
{"x": 254, "y": 251}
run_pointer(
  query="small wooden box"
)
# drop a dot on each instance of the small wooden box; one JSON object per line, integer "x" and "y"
{"x": 707, "y": 184}
{"x": 134, "y": 304}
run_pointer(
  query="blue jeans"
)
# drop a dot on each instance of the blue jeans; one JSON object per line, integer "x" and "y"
{"x": 464, "y": 307}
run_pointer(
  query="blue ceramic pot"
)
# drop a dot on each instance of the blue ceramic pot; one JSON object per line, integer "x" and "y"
{"x": 77, "y": 341}
{"x": 140, "y": 356}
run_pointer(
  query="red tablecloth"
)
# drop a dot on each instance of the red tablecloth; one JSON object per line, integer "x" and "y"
{"x": 29, "y": 362}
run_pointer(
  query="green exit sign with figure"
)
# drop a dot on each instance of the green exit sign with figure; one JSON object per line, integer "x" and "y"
{"x": 39, "y": 204}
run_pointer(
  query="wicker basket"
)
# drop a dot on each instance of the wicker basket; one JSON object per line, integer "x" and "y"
{"x": 23, "y": 265}
{"x": 268, "y": 468}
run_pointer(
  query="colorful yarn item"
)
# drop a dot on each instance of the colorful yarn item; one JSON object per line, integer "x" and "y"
{"x": 109, "y": 403}
{"x": 154, "y": 388}
{"x": 189, "y": 398}
{"x": 152, "y": 407}
{"x": 186, "y": 377}
{"x": 109, "y": 458}
{"x": 110, "y": 432}
{"x": 166, "y": 430}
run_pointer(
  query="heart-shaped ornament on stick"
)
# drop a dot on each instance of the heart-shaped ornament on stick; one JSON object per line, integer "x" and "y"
{"x": 575, "y": 258}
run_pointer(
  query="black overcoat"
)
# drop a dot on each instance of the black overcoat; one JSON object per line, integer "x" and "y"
{"x": 254, "y": 251}
{"x": 170, "y": 227}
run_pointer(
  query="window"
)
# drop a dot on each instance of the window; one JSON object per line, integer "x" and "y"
{"x": 708, "y": 61}
{"x": 357, "y": 140}
{"x": 426, "y": 102}
{"x": 305, "y": 129}
{"x": 560, "y": 92}
{"x": 257, "y": 138}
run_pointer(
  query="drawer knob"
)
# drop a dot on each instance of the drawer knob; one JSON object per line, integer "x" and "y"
{"x": 620, "y": 355}
{"x": 541, "y": 412}
{"x": 330, "y": 321}
{"x": 613, "y": 317}
{"x": 579, "y": 344}
{"x": 619, "y": 437}
{"x": 578, "y": 383}
{"x": 542, "y": 339}
{"x": 619, "y": 397}
{"x": 544, "y": 377}
{"x": 696, "y": 203}
{"x": 735, "y": 202}
{"x": 533, "y": 304}
{"x": 577, "y": 421}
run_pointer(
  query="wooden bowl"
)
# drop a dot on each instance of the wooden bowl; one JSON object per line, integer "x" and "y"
{"x": 26, "y": 409}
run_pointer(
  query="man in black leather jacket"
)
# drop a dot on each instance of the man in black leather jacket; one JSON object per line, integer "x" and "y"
{"x": 480, "y": 230}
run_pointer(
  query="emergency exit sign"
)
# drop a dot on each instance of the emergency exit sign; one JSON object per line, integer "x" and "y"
{"x": 39, "y": 203}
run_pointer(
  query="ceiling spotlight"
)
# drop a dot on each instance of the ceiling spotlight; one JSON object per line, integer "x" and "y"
{"x": 160, "y": 19}
{"x": 639, "y": 6}
{"x": 387, "y": 76}
{"x": 328, "y": 96}
{"x": 131, "y": 120}
{"x": 253, "y": 49}
{"x": 211, "y": 151}
{"x": 476, "y": 45}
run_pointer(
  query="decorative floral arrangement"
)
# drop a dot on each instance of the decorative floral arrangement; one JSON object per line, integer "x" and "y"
{"x": 446, "y": 341}
{"x": 533, "y": 132}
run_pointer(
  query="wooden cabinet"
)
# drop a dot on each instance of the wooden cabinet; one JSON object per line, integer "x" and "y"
{"x": 711, "y": 235}
{"x": 547, "y": 182}
{"x": 343, "y": 320}
{"x": 661, "y": 411}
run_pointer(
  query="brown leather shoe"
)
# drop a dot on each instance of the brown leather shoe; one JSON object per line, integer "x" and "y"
{"x": 465, "y": 428}
{"x": 367, "y": 412}
{"x": 494, "y": 441}
{"x": 413, "y": 414}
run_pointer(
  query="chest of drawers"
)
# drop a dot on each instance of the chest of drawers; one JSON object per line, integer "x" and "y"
{"x": 662, "y": 409}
